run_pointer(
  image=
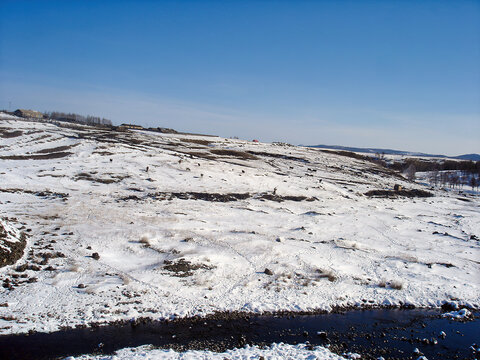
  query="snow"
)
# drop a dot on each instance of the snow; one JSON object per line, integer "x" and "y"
{"x": 342, "y": 249}
{"x": 460, "y": 314}
{"x": 274, "y": 352}
{"x": 5, "y": 116}
{"x": 351, "y": 355}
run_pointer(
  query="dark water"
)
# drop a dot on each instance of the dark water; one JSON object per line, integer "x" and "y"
{"x": 393, "y": 334}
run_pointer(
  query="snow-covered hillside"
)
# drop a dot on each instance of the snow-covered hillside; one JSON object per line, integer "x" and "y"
{"x": 123, "y": 225}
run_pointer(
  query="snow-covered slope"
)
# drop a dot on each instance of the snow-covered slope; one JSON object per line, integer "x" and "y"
{"x": 123, "y": 225}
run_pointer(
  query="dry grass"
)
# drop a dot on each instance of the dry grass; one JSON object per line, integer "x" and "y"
{"x": 74, "y": 268}
{"x": 234, "y": 153}
{"x": 329, "y": 274}
{"x": 197, "y": 141}
{"x": 125, "y": 279}
{"x": 396, "y": 284}
{"x": 145, "y": 241}
{"x": 393, "y": 284}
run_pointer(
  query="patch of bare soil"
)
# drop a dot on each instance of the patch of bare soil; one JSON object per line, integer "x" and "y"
{"x": 234, "y": 153}
{"x": 198, "y": 154}
{"x": 4, "y": 133}
{"x": 10, "y": 252}
{"x": 89, "y": 177}
{"x": 46, "y": 194}
{"x": 401, "y": 193}
{"x": 213, "y": 197}
{"x": 197, "y": 141}
{"x": 280, "y": 198}
{"x": 184, "y": 268}
{"x": 53, "y": 155}
{"x": 347, "y": 154}
{"x": 216, "y": 197}
{"x": 278, "y": 156}
{"x": 103, "y": 153}
{"x": 56, "y": 149}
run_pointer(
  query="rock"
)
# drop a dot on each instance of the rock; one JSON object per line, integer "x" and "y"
{"x": 268, "y": 271}
{"x": 322, "y": 334}
{"x": 81, "y": 286}
{"x": 95, "y": 256}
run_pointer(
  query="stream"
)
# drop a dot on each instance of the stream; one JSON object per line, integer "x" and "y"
{"x": 391, "y": 333}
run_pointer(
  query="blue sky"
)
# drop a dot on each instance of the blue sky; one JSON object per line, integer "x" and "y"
{"x": 392, "y": 74}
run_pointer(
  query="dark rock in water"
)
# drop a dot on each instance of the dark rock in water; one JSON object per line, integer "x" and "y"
{"x": 322, "y": 334}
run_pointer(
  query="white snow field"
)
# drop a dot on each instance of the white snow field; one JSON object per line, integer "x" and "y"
{"x": 297, "y": 234}
{"x": 274, "y": 352}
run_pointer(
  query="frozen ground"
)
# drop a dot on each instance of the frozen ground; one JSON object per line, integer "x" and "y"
{"x": 187, "y": 225}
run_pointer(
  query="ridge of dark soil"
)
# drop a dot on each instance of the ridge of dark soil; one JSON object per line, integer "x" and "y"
{"x": 16, "y": 248}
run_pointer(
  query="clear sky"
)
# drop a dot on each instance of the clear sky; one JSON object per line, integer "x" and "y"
{"x": 391, "y": 74}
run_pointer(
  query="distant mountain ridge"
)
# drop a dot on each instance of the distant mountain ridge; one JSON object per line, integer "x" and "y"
{"x": 472, "y": 157}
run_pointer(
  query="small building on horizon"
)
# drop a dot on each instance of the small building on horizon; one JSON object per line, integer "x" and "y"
{"x": 28, "y": 114}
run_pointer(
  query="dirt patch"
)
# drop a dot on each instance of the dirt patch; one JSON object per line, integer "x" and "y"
{"x": 10, "y": 134}
{"x": 56, "y": 149}
{"x": 89, "y": 177}
{"x": 53, "y": 155}
{"x": 198, "y": 154}
{"x": 280, "y": 198}
{"x": 197, "y": 141}
{"x": 279, "y": 156}
{"x": 234, "y": 153}
{"x": 213, "y": 197}
{"x": 103, "y": 153}
{"x": 10, "y": 252}
{"x": 216, "y": 197}
{"x": 347, "y": 154}
{"x": 184, "y": 268}
{"x": 46, "y": 194}
{"x": 402, "y": 193}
